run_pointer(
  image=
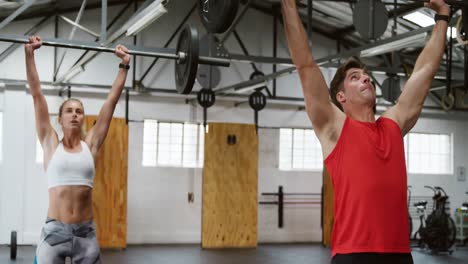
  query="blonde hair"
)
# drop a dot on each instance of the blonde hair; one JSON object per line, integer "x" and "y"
{"x": 83, "y": 128}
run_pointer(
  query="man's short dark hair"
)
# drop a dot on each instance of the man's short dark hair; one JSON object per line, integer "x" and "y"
{"x": 337, "y": 84}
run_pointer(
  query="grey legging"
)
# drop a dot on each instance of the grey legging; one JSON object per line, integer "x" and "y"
{"x": 60, "y": 240}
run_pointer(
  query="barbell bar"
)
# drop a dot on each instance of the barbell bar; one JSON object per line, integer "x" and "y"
{"x": 187, "y": 55}
{"x": 164, "y": 53}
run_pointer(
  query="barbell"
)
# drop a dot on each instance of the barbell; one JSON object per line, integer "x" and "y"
{"x": 186, "y": 55}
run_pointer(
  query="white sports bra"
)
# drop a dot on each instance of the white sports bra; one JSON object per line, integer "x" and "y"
{"x": 67, "y": 168}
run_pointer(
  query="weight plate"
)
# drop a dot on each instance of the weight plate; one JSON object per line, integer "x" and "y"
{"x": 186, "y": 66}
{"x": 217, "y": 15}
{"x": 256, "y": 74}
{"x": 391, "y": 88}
{"x": 370, "y": 18}
{"x": 208, "y": 76}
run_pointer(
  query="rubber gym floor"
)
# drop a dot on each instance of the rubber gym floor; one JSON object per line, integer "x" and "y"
{"x": 263, "y": 254}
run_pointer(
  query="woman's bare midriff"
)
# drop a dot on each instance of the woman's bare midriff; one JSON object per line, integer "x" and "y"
{"x": 70, "y": 204}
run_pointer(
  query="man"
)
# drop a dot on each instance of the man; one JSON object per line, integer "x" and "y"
{"x": 364, "y": 156}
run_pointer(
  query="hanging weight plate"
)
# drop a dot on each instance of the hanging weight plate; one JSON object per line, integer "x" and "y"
{"x": 217, "y": 15}
{"x": 13, "y": 245}
{"x": 256, "y": 74}
{"x": 208, "y": 76}
{"x": 186, "y": 66}
{"x": 370, "y": 18}
{"x": 210, "y": 46}
{"x": 257, "y": 100}
{"x": 206, "y": 98}
{"x": 391, "y": 88}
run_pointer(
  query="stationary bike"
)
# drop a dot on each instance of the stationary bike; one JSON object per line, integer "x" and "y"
{"x": 419, "y": 235}
{"x": 439, "y": 232}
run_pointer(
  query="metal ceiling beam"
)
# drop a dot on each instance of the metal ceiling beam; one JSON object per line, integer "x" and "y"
{"x": 317, "y": 26}
{"x": 275, "y": 48}
{"x": 47, "y": 10}
{"x": 391, "y": 14}
{"x": 76, "y": 25}
{"x": 72, "y": 33}
{"x": 7, "y": 52}
{"x": 174, "y": 34}
{"x": 103, "y": 21}
{"x": 109, "y": 26}
{"x": 322, "y": 61}
{"x": 399, "y": 71}
{"x": 244, "y": 48}
{"x": 53, "y": 88}
{"x": 17, "y": 12}
{"x": 109, "y": 41}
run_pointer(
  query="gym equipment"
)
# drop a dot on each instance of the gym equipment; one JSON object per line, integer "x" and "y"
{"x": 437, "y": 232}
{"x": 391, "y": 88}
{"x": 217, "y": 15}
{"x": 257, "y": 101}
{"x": 13, "y": 245}
{"x": 370, "y": 18}
{"x": 308, "y": 198}
{"x": 187, "y": 54}
{"x": 206, "y": 98}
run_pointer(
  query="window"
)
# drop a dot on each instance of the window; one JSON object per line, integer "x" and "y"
{"x": 55, "y": 124}
{"x": 299, "y": 150}
{"x": 429, "y": 153}
{"x": 424, "y": 19}
{"x": 150, "y": 132}
{"x": 425, "y": 153}
{"x": 172, "y": 144}
{"x": 1, "y": 136}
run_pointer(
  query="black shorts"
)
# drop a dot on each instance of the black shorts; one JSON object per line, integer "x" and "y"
{"x": 373, "y": 258}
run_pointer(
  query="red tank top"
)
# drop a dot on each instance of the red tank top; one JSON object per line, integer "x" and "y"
{"x": 368, "y": 171}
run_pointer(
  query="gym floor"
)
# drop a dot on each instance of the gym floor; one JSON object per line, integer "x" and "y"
{"x": 263, "y": 254}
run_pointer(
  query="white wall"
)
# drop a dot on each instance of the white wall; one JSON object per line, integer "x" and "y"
{"x": 164, "y": 188}
{"x": 158, "y": 211}
{"x": 455, "y": 189}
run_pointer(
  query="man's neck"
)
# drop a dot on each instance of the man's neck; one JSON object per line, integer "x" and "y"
{"x": 362, "y": 114}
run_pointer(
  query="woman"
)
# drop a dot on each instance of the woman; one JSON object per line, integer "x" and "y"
{"x": 69, "y": 165}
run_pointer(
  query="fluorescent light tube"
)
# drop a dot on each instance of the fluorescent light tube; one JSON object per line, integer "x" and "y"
{"x": 418, "y": 40}
{"x": 154, "y": 13}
